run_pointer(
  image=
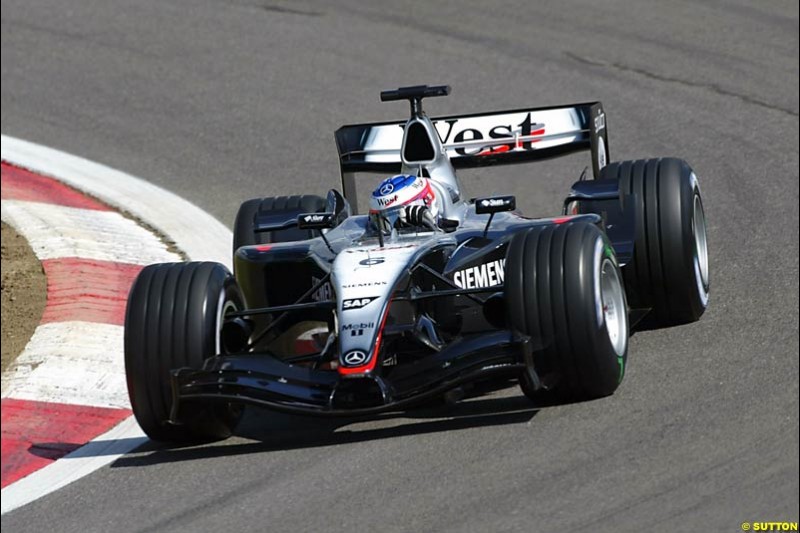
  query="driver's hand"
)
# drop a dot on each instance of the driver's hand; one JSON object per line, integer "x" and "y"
{"x": 418, "y": 216}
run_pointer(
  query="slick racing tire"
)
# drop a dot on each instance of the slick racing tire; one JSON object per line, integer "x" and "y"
{"x": 174, "y": 320}
{"x": 669, "y": 272}
{"x": 564, "y": 289}
{"x": 244, "y": 233}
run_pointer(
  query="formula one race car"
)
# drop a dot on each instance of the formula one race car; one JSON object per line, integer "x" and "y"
{"x": 430, "y": 291}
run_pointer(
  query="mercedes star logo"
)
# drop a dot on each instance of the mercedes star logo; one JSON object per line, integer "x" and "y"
{"x": 355, "y": 358}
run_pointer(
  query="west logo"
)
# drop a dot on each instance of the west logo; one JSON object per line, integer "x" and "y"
{"x": 501, "y": 131}
{"x": 386, "y": 202}
{"x": 485, "y": 275}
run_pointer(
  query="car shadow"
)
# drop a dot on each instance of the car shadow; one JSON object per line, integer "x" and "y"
{"x": 268, "y": 431}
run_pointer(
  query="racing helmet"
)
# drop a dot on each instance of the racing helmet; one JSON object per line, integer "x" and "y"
{"x": 402, "y": 191}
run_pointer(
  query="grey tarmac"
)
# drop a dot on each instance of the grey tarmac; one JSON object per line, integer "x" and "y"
{"x": 220, "y": 101}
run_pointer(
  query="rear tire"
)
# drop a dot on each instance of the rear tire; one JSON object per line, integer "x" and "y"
{"x": 669, "y": 271}
{"x": 174, "y": 320}
{"x": 244, "y": 233}
{"x": 563, "y": 288}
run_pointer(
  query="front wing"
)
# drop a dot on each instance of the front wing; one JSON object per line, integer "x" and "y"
{"x": 263, "y": 380}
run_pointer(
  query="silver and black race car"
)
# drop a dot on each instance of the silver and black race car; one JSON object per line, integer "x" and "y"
{"x": 335, "y": 313}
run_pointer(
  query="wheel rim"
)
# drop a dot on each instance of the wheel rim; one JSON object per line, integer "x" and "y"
{"x": 613, "y": 307}
{"x": 224, "y": 306}
{"x": 700, "y": 248}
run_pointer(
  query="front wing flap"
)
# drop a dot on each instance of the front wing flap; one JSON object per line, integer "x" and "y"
{"x": 261, "y": 379}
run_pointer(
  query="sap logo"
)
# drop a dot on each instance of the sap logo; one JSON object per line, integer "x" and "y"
{"x": 364, "y": 284}
{"x": 355, "y": 358}
{"x": 322, "y": 294}
{"x": 485, "y": 275}
{"x": 357, "y": 303}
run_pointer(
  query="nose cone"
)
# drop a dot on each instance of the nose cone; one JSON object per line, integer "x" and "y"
{"x": 364, "y": 278}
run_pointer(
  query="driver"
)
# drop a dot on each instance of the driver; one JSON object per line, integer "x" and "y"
{"x": 412, "y": 197}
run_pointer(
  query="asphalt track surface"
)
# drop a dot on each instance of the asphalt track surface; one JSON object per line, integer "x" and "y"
{"x": 222, "y": 101}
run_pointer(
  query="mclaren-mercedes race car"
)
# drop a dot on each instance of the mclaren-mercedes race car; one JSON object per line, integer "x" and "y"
{"x": 331, "y": 312}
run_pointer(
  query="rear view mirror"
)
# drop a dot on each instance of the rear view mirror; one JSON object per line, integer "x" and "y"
{"x": 495, "y": 204}
{"x": 339, "y": 206}
{"x": 315, "y": 221}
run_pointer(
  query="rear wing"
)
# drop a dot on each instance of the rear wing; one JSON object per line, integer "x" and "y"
{"x": 480, "y": 140}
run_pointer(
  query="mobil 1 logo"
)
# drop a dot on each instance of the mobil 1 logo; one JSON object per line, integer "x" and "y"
{"x": 357, "y": 329}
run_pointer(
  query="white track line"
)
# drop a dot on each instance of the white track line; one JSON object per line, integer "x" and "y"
{"x": 198, "y": 234}
{"x": 78, "y": 363}
{"x": 103, "y": 450}
{"x": 56, "y": 231}
{"x": 193, "y": 231}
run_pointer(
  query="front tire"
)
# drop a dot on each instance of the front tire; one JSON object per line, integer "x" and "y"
{"x": 174, "y": 320}
{"x": 564, "y": 289}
